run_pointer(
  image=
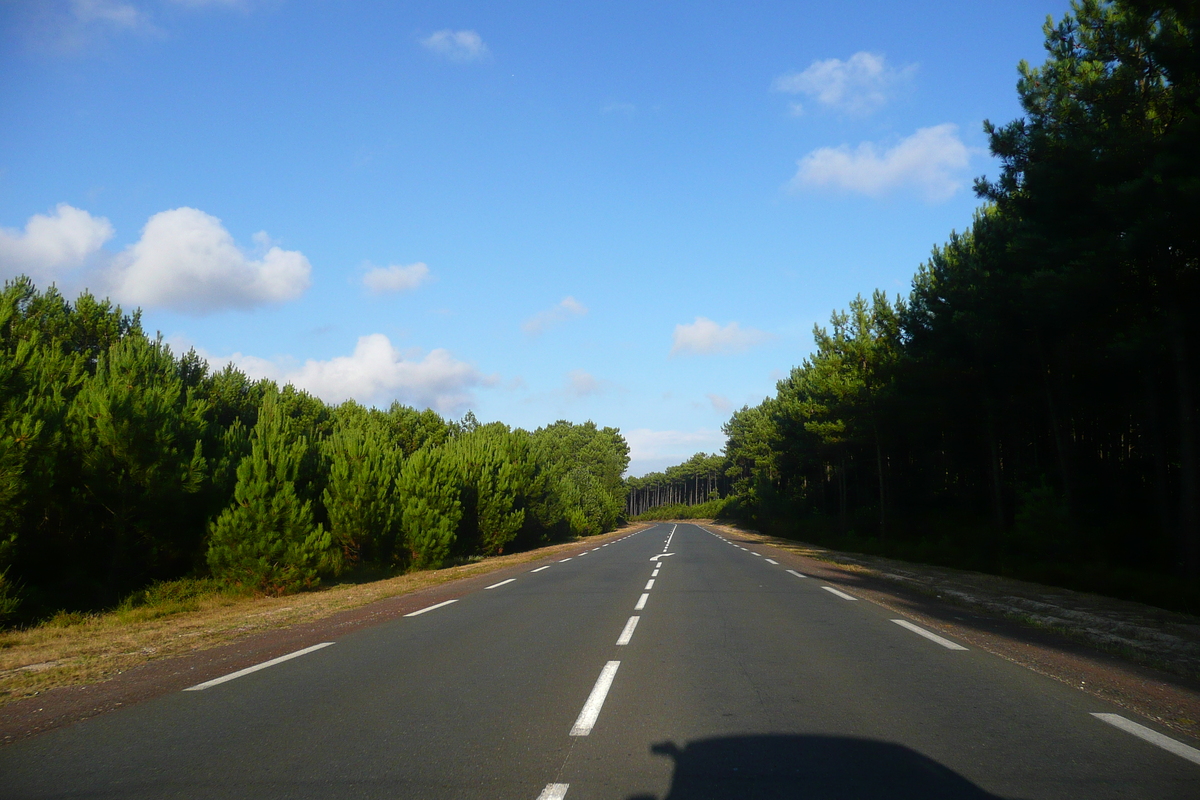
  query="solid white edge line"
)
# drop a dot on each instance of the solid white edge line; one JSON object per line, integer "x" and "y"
{"x": 430, "y": 608}
{"x": 797, "y": 574}
{"x": 215, "y": 681}
{"x": 1153, "y": 737}
{"x": 842, "y": 595}
{"x": 641, "y": 603}
{"x": 649, "y": 585}
{"x": 539, "y": 569}
{"x": 554, "y": 791}
{"x": 591, "y": 709}
{"x": 627, "y": 631}
{"x": 933, "y": 637}
{"x": 772, "y": 561}
{"x": 501, "y": 583}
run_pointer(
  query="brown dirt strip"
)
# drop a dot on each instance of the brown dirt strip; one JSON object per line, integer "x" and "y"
{"x": 969, "y": 612}
{"x": 225, "y": 640}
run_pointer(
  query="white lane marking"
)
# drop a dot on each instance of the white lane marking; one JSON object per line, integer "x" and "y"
{"x": 215, "y": 681}
{"x": 655, "y": 573}
{"x": 539, "y": 569}
{"x": 933, "y": 637}
{"x": 501, "y": 583}
{"x": 641, "y": 603}
{"x": 591, "y": 709}
{"x": 627, "y": 632}
{"x": 842, "y": 595}
{"x": 564, "y": 560}
{"x": 660, "y": 555}
{"x": 419, "y": 612}
{"x": 554, "y": 791}
{"x": 755, "y": 554}
{"x": 772, "y": 561}
{"x": 581, "y": 555}
{"x": 594, "y": 549}
{"x": 649, "y": 585}
{"x": 1153, "y": 737}
{"x": 797, "y": 574}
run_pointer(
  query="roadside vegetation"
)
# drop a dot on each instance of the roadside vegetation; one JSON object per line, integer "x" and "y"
{"x": 1031, "y": 408}
{"x": 133, "y": 478}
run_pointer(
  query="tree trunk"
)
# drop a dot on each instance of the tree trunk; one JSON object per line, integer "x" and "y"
{"x": 1189, "y": 514}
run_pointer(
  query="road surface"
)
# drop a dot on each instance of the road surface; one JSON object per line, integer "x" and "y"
{"x": 670, "y": 663}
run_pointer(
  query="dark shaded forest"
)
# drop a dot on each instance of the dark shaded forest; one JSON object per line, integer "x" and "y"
{"x": 1031, "y": 407}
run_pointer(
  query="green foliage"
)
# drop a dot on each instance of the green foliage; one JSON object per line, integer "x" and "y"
{"x": 267, "y": 539}
{"x": 360, "y": 498}
{"x": 430, "y": 509}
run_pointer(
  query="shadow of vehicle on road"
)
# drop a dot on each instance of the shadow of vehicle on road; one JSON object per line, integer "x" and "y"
{"x": 808, "y": 768}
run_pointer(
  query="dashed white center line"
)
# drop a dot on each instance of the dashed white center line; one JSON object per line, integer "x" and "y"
{"x": 772, "y": 561}
{"x": 501, "y": 583}
{"x": 539, "y": 569}
{"x": 649, "y": 585}
{"x": 797, "y": 574}
{"x": 933, "y": 637}
{"x": 1153, "y": 737}
{"x": 641, "y": 603}
{"x": 216, "y": 681}
{"x": 655, "y": 573}
{"x": 627, "y": 632}
{"x": 842, "y": 595}
{"x": 755, "y": 554}
{"x": 419, "y": 612}
{"x": 554, "y": 791}
{"x": 565, "y": 560}
{"x": 591, "y": 709}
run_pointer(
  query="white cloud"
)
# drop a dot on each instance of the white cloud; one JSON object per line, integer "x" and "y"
{"x": 52, "y": 244}
{"x": 859, "y": 85}
{"x": 927, "y": 161}
{"x": 187, "y": 261}
{"x": 461, "y": 46}
{"x": 651, "y": 450}
{"x": 705, "y": 337}
{"x": 375, "y": 373}
{"x": 566, "y": 309}
{"x": 720, "y": 403}
{"x": 396, "y": 278}
{"x": 581, "y": 384}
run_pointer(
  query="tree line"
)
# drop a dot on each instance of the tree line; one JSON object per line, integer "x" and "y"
{"x": 697, "y": 480}
{"x": 122, "y": 464}
{"x": 1031, "y": 406}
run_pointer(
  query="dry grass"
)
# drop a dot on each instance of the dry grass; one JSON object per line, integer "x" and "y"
{"x": 75, "y": 649}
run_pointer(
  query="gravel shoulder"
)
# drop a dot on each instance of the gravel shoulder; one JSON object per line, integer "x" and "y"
{"x": 1144, "y": 659}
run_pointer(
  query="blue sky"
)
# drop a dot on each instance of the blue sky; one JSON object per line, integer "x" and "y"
{"x": 627, "y": 212}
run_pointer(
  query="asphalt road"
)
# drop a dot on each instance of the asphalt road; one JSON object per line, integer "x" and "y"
{"x": 739, "y": 679}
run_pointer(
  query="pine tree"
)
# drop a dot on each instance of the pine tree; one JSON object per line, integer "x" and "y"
{"x": 267, "y": 539}
{"x": 360, "y": 498}
{"x": 429, "y": 507}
